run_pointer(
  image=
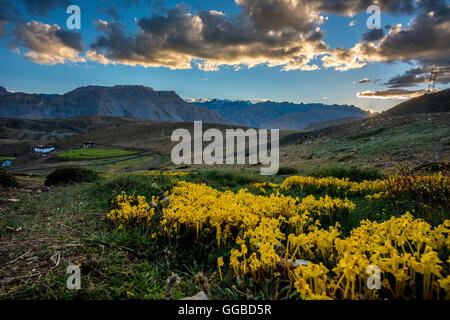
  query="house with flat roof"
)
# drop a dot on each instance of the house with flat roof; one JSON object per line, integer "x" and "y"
{"x": 44, "y": 149}
{"x": 88, "y": 144}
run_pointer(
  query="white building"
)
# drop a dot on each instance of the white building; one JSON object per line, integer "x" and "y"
{"x": 44, "y": 149}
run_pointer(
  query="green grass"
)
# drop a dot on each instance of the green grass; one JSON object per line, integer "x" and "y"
{"x": 7, "y": 158}
{"x": 68, "y": 220}
{"x": 6, "y": 179}
{"x": 287, "y": 171}
{"x": 70, "y": 175}
{"x": 353, "y": 173}
{"x": 85, "y": 154}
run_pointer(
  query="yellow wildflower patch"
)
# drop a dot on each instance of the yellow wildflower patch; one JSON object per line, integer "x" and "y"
{"x": 278, "y": 236}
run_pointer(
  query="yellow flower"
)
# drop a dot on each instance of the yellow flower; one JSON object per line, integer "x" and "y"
{"x": 220, "y": 264}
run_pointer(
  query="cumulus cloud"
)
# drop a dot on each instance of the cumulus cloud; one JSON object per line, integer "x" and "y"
{"x": 48, "y": 44}
{"x": 372, "y": 35}
{"x": 277, "y": 33}
{"x": 391, "y": 94}
{"x": 283, "y": 33}
{"x": 427, "y": 38}
{"x": 343, "y": 59}
{"x": 210, "y": 39}
{"x": 278, "y": 14}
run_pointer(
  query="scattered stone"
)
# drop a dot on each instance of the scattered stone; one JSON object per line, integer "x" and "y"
{"x": 199, "y": 296}
{"x": 155, "y": 185}
{"x": 14, "y": 200}
{"x": 172, "y": 281}
{"x": 31, "y": 259}
{"x": 296, "y": 263}
{"x": 445, "y": 140}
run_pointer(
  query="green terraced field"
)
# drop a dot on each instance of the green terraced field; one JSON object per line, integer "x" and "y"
{"x": 83, "y": 154}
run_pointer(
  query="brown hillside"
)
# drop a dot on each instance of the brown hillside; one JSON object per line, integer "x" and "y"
{"x": 428, "y": 103}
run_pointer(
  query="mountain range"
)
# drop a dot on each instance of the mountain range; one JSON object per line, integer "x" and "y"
{"x": 145, "y": 103}
{"x": 119, "y": 101}
{"x": 279, "y": 115}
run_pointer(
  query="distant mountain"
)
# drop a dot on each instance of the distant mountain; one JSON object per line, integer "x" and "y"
{"x": 428, "y": 103}
{"x": 3, "y": 91}
{"x": 282, "y": 115}
{"x": 300, "y": 120}
{"x": 123, "y": 101}
{"x": 329, "y": 123}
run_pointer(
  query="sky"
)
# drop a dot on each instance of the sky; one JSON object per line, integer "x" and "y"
{"x": 280, "y": 50}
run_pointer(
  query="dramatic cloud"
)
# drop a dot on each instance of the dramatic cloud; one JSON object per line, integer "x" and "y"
{"x": 410, "y": 78}
{"x": 372, "y": 35}
{"x": 426, "y": 39}
{"x": 273, "y": 32}
{"x": 343, "y": 59}
{"x": 48, "y": 44}
{"x": 391, "y": 94}
{"x": 283, "y": 33}
{"x": 10, "y": 10}
{"x": 209, "y": 39}
{"x": 279, "y": 14}
{"x": 419, "y": 75}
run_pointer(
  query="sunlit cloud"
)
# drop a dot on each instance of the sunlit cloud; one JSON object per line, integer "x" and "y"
{"x": 48, "y": 44}
{"x": 391, "y": 94}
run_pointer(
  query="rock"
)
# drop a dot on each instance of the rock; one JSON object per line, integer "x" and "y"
{"x": 445, "y": 140}
{"x": 296, "y": 263}
{"x": 14, "y": 200}
{"x": 31, "y": 259}
{"x": 154, "y": 185}
{"x": 199, "y": 296}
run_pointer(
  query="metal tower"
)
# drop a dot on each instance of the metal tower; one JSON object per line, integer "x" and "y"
{"x": 433, "y": 76}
